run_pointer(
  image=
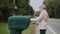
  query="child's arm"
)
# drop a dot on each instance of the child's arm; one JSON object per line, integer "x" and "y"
{"x": 33, "y": 20}
{"x": 41, "y": 16}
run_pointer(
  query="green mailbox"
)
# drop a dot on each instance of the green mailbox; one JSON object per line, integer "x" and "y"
{"x": 18, "y": 23}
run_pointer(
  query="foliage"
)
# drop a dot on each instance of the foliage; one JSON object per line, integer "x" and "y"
{"x": 53, "y": 7}
{"x": 23, "y": 8}
{"x": 7, "y": 8}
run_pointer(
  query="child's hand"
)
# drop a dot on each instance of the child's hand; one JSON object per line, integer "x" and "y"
{"x": 33, "y": 20}
{"x": 35, "y": 23}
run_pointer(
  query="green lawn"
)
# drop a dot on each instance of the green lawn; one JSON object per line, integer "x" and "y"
{"x": 4, "y": 29}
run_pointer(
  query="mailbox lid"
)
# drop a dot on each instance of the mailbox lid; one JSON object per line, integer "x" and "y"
{"x": 19, "y": 22}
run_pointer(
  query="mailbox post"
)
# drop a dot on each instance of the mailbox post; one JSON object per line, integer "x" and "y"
{"x": 18, "y": 23}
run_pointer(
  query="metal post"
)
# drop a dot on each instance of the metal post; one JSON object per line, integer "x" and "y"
{"x": 14, "y": 2}
{"x": 15, "y": 7}
{"x": 16, "y": 31}
{"x": 13, "y": 32}
{"x": 19, "y": 31}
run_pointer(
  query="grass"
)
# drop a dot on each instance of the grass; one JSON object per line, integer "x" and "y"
{"x": 4, "y": 29}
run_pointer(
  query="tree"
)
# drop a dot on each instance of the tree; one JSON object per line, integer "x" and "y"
{"x": 53, "y": 8}
{"x": 6, "y": 8}
{"x": 23, "y": 8}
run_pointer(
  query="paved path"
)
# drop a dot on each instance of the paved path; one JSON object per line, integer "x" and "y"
{"x": 53, "y": 26}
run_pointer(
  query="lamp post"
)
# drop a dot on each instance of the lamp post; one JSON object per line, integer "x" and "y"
{"x": 15, "y": 7}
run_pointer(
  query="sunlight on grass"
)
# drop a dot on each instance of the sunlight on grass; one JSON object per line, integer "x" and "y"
{"x": 28, "y": 30}
{"x": 4, "y": 29}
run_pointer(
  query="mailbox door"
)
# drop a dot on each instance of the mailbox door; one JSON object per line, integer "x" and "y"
{"x": 19, "y": 22}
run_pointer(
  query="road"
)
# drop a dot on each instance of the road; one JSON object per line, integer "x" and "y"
{"x": 53, "y": 26}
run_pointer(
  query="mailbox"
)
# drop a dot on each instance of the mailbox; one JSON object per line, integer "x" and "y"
{"x": 17, "y": 23}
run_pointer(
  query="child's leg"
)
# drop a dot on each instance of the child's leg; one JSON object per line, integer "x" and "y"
{"x": 42, "y": 31}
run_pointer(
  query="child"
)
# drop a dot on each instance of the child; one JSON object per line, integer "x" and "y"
{"x": 41, "y": 20}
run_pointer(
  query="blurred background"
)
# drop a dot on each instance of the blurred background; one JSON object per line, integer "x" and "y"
{"x": 21, "y": 7}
